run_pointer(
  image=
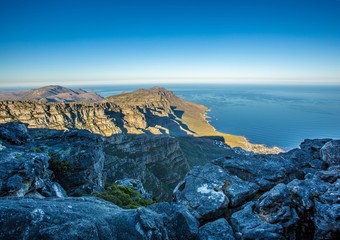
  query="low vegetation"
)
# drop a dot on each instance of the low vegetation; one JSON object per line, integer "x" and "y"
{"x": 124, "y": 197}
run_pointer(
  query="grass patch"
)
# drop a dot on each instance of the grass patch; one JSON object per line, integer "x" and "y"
{"x": 124, "y": 197}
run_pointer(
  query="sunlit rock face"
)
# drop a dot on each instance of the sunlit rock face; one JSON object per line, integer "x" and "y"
{"x": 151, "y": 111}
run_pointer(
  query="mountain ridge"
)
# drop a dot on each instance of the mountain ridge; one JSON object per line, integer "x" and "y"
{"x": 152, "y": 111}
{"x": 52, "y": 93}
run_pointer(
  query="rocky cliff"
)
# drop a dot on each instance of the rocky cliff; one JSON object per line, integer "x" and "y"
{"x": 293, "y": 195}
{"x": 84, "y": 163}
{"x": 153, "y": 111}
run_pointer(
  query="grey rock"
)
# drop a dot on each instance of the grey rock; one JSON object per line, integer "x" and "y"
{"x": 330, "y": 152}
{"x": 76, "y": 218}
{"x": 216, "y": 230}
{"x": 26, "y": 174}
{"x": 272, "y": 216}
{"x": 202, "y": 185}
{"x": 14, "y": 132}
{"x": 178, "y": 221}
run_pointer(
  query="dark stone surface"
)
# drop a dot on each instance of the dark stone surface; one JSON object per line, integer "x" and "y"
{"x": 202, "y": 192}
{"x": 216, "y": 230}
{"x": 293, "y": 195}
{"x": 178, "y": 221}
{"x": 15, "y": 133}
{"x": 23, "y": 174}
{"x": 76, "y": 218}
{"x": 330, "y": 152}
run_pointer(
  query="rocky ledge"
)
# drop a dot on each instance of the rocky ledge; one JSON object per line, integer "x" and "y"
{"x": 293, "y": 195}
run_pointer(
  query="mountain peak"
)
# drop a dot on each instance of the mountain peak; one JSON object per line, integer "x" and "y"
{"x": 143, "y": 96}
{"x": 53, "y": 93}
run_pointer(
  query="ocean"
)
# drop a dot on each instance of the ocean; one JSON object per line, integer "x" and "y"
{"x": 275, "y": 115}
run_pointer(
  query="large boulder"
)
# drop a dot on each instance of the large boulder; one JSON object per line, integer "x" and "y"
{"x": 302, "y": 209}
{"x": 76, "y": 158}
{"x": 202, "y": 192}
{"x": 216, "y": 230}
{"x": 14, "y": 132}
{"x": 178, "y": 221}
{"x": 273, "y": 216}
{"x": 330, "y": 152}
{"x": 76, "y": 218}
{"x": 26, "y": 174}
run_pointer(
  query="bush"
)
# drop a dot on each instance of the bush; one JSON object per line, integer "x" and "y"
{"x": 124, "y": 197}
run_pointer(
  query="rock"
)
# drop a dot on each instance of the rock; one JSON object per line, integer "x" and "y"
{"x": 76, "y": 218}
{"x": 330, "y": 152}
{"x": 272, "y": 216}
{"x": 77, "y": 160}
{"x": 327, "y": 210}
{"x": 157, "y": 161}
{"x": 216, "y": 230}
{"x": 202, "y": 185}
{"x": 178, "y": 221}
{"x": 14, "y": 132}
{"x": 27, "y": 174}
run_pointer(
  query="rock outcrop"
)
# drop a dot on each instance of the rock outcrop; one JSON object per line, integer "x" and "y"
{"x": 84, "y": 163}
{"x": 294, "y": 195}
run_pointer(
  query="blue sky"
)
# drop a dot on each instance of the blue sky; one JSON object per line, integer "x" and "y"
{"x": 123, "y": 42}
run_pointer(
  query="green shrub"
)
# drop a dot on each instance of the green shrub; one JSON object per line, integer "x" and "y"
{"x": 124, "y": 197}
{"x": 59, "y": 167}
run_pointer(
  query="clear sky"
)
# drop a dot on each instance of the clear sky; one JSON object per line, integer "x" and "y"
{"x": 120, "y": 42}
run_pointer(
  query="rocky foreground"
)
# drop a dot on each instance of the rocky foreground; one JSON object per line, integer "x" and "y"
{"x": 293, "y": 195}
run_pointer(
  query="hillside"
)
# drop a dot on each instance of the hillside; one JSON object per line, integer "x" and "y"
{"x": 150, "y": 111}
{"x": 52, "y": 93}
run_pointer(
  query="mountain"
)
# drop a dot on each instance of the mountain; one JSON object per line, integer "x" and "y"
{"x": 150, "y": 111}
{"x": 52, "y": 93}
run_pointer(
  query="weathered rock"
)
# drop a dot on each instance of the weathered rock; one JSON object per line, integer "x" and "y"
{"x": 23, "y": 174}
{"x": 202, "y": 185}
{"x": 77, "y": 159}
{"x": 330, "y": 152}
{"x": 272, "y": 216}
{"x": 327, "y": 206}
{"x": 134, "y": 184}
{"x": 76, "y": 218}
{"x": 216, "y": 230}
{"x": 178, "y": 221}
{"x": 157, "y": 161}
{"x": 15, "y": 133}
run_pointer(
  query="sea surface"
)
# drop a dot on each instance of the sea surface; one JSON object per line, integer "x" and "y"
{"x": 275, "y": 115}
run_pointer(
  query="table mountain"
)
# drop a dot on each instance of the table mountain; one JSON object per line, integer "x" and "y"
{"x": 151, "y": 111}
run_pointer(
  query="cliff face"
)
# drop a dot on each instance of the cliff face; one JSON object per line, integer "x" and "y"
{"x": 157, "y": 161}
{"x": 84, "y": 163}
{"x": 154, "y": 111}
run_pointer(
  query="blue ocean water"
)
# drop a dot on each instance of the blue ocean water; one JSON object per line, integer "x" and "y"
{"x": 274, "y": 115}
